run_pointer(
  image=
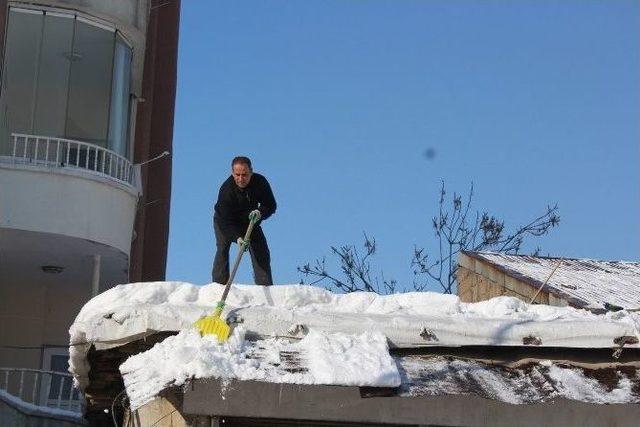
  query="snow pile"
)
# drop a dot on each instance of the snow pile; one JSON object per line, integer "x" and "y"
{"x": 130, "y": 312}
{"x": 341, "y": 359}
{"x": 338, "y": 359}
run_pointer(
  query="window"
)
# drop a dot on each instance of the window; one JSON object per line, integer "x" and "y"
{"x": 61, "y": 386}
{"x": 21, "y": 58}
{"x": 57, "y": 359}
{"x": 53, "y": 75}
{"x": 67, "y": 77}
{"x": 90, "y": 84}
{"x": 120, "y": 89}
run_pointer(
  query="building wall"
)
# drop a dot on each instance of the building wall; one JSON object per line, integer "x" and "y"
{"x": 154, "y": 134}
{"x": 50, "y": 201}
{"x": 4, "y": 9}
{"x": 264, "y": 403}
{"x": 36, "y": 315}
{"x": 152, "y": 30}
{"x": 35, "y": 310}
{"x": 160, "y": 412}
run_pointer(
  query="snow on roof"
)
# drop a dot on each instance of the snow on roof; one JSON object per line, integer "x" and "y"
{"x": 319, "y": 358}
{"x": 364, "y": 360}
{"x": 583, "y": 282}
{"x": 343, "y": 339}
{"x": 533, "y": 383}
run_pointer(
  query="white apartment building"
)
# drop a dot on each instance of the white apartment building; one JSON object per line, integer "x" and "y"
{"x": 81, "y": 123}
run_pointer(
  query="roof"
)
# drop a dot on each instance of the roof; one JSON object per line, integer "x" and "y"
{"x": 305, "y": 335}
{"x": 533, "y": 382}
{"x": 494, "y": 384}
{"x": 584, "y": 283}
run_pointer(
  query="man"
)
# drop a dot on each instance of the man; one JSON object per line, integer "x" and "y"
{"x": 243, "y": 194}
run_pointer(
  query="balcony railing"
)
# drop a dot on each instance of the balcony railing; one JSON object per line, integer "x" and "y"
{"x": 67, "y": 153}
{"x": 45, "y": 389}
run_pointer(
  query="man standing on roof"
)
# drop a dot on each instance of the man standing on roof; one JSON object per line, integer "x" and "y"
{"x": 242, "y": 194}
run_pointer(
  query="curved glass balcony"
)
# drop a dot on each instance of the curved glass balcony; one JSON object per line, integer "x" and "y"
{"x": 66, "y": 77}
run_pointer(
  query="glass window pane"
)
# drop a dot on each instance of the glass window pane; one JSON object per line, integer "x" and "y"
{"x": 19, "y": 80}
{"x": 90, "y": 84}
{"x": 53, "y": 78}
{"x": 119, "y": 117}
{"x": 61, "y": 385}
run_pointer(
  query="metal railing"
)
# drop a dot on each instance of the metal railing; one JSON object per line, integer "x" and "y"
{"x": 49, "y": 389}
{"x": 67, "y": 153}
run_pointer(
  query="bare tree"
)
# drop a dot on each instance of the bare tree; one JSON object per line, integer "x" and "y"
{"x": 355, "y": 268}
{"x": 458, "y": 229}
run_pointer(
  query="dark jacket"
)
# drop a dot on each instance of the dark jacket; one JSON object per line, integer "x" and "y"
{"x": 234, "y": 204}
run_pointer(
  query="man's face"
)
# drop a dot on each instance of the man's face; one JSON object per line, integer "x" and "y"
{"x": 241, "y": 174}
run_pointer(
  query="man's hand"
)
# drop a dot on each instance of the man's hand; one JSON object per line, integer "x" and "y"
{"x": 255, "y": 215}
{"x": 243, "y": 245}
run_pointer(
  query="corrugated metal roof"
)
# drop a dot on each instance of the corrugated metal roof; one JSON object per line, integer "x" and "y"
{"x": 583, "y": 282}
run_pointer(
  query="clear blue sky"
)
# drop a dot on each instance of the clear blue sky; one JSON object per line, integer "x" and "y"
{"x": 536, "y": 102}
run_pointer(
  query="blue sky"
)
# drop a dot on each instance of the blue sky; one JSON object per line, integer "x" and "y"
{"x": 535, "y": 102}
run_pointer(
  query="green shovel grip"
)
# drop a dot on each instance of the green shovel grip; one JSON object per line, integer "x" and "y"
{"x": 219, "y": 307}
{"x": 253, "y": 216}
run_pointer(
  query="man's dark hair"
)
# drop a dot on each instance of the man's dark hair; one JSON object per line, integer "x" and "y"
{"x": 242, "y": 160}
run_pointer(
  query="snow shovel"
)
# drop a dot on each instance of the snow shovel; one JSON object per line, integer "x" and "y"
{"x": 214, "y": 324}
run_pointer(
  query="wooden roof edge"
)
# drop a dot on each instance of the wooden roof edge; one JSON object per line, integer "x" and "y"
{"x": 516, "y": 355}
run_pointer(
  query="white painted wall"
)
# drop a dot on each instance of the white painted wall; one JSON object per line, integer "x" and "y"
{"x": 69, "y": 203}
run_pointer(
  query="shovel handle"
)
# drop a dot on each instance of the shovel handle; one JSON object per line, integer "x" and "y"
{"x": 245, "y": 244}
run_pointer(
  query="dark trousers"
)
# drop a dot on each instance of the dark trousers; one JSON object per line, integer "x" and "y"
{"x": 258, "y": 249}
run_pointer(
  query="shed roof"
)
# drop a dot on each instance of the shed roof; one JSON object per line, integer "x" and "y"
{"x": 585, "y": 283}
{"x": 305, "y": 335}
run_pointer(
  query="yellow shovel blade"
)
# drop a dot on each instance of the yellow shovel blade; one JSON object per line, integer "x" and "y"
{"x": 213, "y": 325}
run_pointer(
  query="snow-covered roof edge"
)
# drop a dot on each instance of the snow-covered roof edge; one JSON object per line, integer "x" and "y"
{"x": 130, "y": 312}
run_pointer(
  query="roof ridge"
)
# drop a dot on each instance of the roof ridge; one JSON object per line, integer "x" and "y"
{"x": 472, "y": 253}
